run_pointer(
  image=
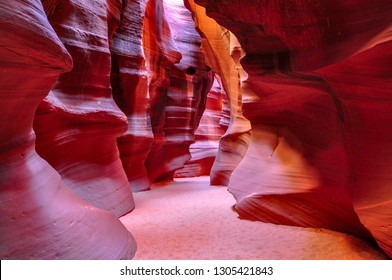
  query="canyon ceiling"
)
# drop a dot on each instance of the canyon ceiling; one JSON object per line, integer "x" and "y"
{"x": 287, "y": 103}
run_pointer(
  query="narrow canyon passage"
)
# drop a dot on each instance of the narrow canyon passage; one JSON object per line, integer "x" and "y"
{"x": 189, "y": 219}
{"x": 269, "y": 121}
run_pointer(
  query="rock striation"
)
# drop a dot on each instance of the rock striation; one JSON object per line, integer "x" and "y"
{"x": 207, "y": 135}
{"x": 78, "y": 123}
{"x": 40, "y": 217}
{"x": 222, "y": 56}
{"x": 320, "y": 149}
{"x": 161, "y": 54}
{"x": 130, "y": 82}
{"x": 285, "y": 102}
{"x": 178, "y": 92}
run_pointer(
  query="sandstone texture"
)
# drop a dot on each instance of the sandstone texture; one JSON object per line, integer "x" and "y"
{"x": 40, "y": 217}
{"x": 320, "y": 153}
{"x": 221, "y": 54}
{"x": 285, "y": 102}
{"x": 180, "y": 100}
{"x": 78, "y": 123}
{"x": 207, "y": 135}
{"x": 130, "y": 83}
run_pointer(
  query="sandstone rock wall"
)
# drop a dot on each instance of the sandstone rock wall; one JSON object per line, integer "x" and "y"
{"x": 218, "y": 45}
{"x": 111, "y": 111}
{"x": 40, "y": 217}
{"x": 321, "y": 139}
{"x": 78, "y": 122}
{"x": 102, "y": 97}
{"x": 190, "y": 81}
{"x": 130, "y": 82}
{"x": 207, "y": 135}
{"x": 178, "y": 92}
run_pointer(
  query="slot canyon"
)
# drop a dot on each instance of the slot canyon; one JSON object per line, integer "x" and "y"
{"x": 196, "y": 129}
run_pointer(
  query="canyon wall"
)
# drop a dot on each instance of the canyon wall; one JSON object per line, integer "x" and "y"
{"x": 219, "y": 48}
{"x": 320, "y": 151}
{"x": 99, "y": 98}
{"x": 78, "y": 123}
{"x": 178, "y": 105}
{"x": 40, "y": 217}
{"x": 211, "y": 128}
{"x": 130, "y": 83}
{"x": 285, "y": 102}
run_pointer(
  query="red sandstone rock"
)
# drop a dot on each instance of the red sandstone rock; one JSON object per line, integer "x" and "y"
{"x": 218, "y": 45}
{"x": 190, "y": 81}
{"x": 161, "y": 53}
{"x": 317, "y": 95}
{"x": 129, "y": 79}
{"x": 363, "y": 85}
{"x": 178, "y": 94}
{"x": 40, "y": 218}
{"x": 78, "y": 123}
{"x": 207, "y": 136}
{"x": 312, "y": 33}
{"x": 321, "y": 138}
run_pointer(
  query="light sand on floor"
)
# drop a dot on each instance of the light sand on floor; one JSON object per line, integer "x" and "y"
{"x": 189, "y": 219}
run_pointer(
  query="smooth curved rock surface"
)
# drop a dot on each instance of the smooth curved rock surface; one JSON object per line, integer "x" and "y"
{"x": 178, "y": 97}
{"x": 221, "y": 54}
{"x": 321, "y": 138}
{"x": 161, "y": 53}
{"x": 364, "y": 87}
{"x": 40, "y": 218}
{"x": 129, "y": 79}
{"x": 207, "y": 135}
{"x": 190, "y": 81}
{"x": 78, "y": 123}
{"x": 312, "y": 79}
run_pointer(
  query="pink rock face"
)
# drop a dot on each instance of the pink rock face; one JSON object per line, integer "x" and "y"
{"x": 302, "y": 117}
{"x": 190, "y": 81}
{"x": 312, "y": 33}
{"x": 321, "y": 141}
{"x": 207, "y": 136}
{"x": 218, "y": 45}
{"x": 178, "y": 93}
{"x": 129, "y": 79}
{"x": 40, "y": 218}
{"x": 78, "y": 123}
{"x": 364, "y": 87}
{"x": 161, "y": 53}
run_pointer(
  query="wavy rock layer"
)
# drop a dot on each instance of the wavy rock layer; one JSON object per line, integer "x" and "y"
{"x": 78, "y": 123}
{"x": 190, "y": 81}
{"x": 178, "y": 93}
{"x": 321, "y": 140}
{"x": 129, "y": 79}
{"x": 218, "y": 45}
{"x": 207, "y": 135}
{"x": 40, "y": 218}
{"x": 161, "y": 54}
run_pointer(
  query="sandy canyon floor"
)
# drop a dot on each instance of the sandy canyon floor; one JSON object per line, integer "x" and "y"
{"x": 188, "y": 219}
